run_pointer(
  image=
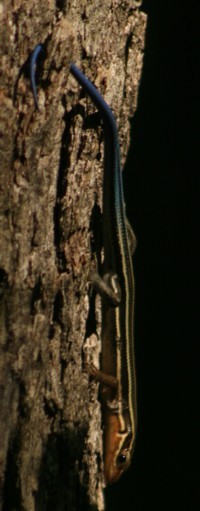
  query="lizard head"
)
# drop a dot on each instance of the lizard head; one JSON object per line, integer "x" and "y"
{"x": 118, "y": 448}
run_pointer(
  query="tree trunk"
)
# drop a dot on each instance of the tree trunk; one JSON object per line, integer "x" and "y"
{"x": 51, "y": 165}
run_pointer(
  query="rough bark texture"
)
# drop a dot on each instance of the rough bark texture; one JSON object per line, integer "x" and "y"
{"x": 50, "y": 181}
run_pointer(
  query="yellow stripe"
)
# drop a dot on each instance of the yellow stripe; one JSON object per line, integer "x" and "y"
{"x": 127, "y": 320}
{"x": 118, "y": 352}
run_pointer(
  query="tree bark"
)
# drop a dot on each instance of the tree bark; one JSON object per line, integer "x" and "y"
{"x": 51, "y": 165}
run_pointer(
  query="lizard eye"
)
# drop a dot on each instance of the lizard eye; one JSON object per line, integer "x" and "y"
{"x": 121, "y": 459}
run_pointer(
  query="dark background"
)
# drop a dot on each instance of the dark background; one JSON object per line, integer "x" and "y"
{"x": 162, "y": 196}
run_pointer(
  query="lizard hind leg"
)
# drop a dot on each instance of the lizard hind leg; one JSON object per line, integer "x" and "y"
{"x": 108, "y": 287}
{"x": 131, "y": 237}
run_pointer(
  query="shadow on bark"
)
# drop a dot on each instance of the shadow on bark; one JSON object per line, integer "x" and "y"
{"x": 59, "y": 488}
